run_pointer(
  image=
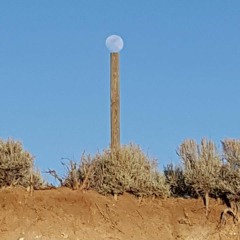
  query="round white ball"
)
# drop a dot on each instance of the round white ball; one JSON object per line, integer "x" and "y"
{"x": 114, "y": 43}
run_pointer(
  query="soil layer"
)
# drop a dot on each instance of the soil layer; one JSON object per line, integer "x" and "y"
{"x": 66, "y": 214}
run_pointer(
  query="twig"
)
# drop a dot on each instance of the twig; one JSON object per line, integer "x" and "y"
{"x": 139, "y": 214}
{"x": 108, "y": 219}
{"x": 86, "y": 179}
{"x": 226, "y": 211}
{"x": 54, "y": 174}
{"x": 31, "y": 183}
{"x": 105, "y": 218}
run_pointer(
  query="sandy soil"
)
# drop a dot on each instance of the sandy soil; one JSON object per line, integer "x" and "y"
{"x": 66, "y": 214}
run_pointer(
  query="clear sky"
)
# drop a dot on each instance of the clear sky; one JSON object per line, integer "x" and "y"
{"x": 180, "y": 74}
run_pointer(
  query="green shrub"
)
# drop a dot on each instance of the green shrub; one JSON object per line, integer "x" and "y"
{"x": 16, "y": 166}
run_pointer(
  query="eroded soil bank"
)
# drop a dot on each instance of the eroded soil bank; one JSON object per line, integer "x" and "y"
{"x": 65, "y": 214}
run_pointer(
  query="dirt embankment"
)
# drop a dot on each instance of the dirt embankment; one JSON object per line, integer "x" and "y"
{"x": 66, "y": 214}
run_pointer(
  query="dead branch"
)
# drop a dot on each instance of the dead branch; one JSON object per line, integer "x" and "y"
{"x": 55, "y": 175}
{"x": 224, "y": 214}
{"x": 108, "y": 219}
{"x": 86, "y": 179}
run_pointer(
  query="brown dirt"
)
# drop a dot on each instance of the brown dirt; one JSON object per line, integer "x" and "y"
{"x": 66, "y": 214}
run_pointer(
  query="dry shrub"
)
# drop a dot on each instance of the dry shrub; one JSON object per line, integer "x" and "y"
{"x": 231, "y": 148}
{"x": 16, "y": 166}
{"x": 79, "y": 175}
{"x": 176, "y": 180}
{"x": 116, "y": 172}
{"x": 229, "y": 186}
{"x": 72, "y": 178}
{"x": 230, "y": 172}
{"x": 202, "y": 166}
{"x": 128, "y": 170}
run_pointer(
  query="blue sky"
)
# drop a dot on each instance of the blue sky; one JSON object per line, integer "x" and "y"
{"x": 180, "y": 74}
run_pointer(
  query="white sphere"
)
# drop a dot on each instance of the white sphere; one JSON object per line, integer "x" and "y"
{"x": 114, "y": 43}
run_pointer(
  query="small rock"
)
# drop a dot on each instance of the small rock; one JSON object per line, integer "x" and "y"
{"x": 38, "y": 236}
{"x": 115, "y": 196}
{"x": 63, "y": 235}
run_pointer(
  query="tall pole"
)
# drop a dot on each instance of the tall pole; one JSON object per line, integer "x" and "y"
{"x": 115, "y": 101}
{"x": 114, "y": 44}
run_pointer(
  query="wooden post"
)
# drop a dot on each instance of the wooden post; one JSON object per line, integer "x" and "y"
{"x": 115, "y": 101}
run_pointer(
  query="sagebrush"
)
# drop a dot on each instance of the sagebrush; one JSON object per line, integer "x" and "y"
{"x": 175, "y": 177}
{"x": 204, "y": 171}
{"x": 17, "y": 166}
{"x": 202, "y": 166}
{"x": 117, "y": 171}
